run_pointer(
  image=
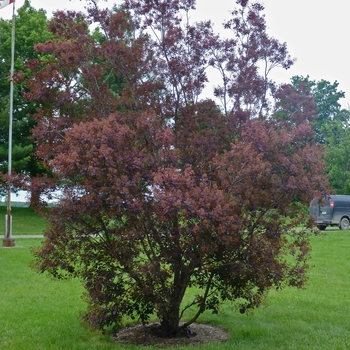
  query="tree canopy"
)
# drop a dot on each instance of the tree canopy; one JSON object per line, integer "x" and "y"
{"x": 30, "y": 29}
{"x": 163, "y": 189}
{"x": 330, "y": 114}
{"x": 331, "y": 128}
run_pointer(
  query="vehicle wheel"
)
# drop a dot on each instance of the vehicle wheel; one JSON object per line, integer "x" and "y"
{"x": 344, "y": 224}
{"x": 322, "y": 227}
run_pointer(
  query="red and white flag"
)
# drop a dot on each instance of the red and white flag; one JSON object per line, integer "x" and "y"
{"x": 4, "y": 3}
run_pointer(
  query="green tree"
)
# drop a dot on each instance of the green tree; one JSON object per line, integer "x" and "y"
{"x": 338, "y": 157}
{"x": 328, "y": 108}
{"x": 31, "y": 28}
{"x": 338, "y": 162}
{"x": 331, "y": 128}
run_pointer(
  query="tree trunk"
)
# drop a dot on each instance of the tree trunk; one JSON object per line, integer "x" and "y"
{"x": 170, "y": 315}
{"x": 34, "y": 198}
{"x": 170, "y": 322}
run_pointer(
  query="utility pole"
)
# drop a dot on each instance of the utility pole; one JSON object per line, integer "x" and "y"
{"x": 8, "y": 240}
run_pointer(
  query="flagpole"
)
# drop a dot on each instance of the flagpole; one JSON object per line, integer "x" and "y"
{"x": 9, "y": 241}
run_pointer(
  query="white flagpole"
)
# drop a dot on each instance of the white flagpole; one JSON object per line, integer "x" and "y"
{"x": 8, "y": 240}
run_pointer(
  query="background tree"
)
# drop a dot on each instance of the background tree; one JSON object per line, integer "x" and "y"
{"x": 330, "y": 114}
{"x": 337, "y": 159}
{"x": 331, "y": 128}
{"x": 162, "y": 190}
{"x": 30, "y": 29}
{"x": 338, "y": 166}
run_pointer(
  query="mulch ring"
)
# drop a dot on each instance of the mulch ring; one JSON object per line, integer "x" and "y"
{"x": 146, "y": 335}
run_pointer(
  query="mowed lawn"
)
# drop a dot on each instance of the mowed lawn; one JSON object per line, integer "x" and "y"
{"x": 24, "y": 221}
{"x": 37, "y": 312}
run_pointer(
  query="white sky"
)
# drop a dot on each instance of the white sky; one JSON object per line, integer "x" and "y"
{"x": 316, "y": 32}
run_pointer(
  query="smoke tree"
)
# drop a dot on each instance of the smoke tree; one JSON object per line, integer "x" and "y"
{"x": 163, "y": 189}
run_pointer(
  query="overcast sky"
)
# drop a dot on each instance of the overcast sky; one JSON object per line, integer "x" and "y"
{"x": 316, "y": 33}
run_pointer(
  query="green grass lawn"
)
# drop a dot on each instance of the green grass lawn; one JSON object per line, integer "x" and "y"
{"x": 37, "y": 312}
{"x": 24, "y": 221}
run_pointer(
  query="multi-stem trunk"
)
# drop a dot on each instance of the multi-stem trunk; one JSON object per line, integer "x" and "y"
{"x": 170, "y": 314}
{"x": 170, "y": 321}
